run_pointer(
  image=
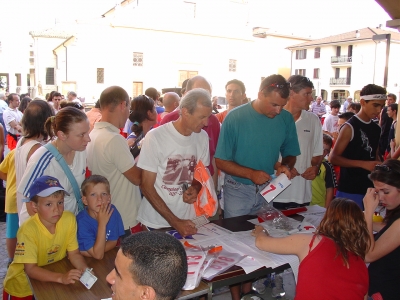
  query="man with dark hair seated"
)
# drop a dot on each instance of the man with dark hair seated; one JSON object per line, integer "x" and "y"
{"x": 149, "y": 265}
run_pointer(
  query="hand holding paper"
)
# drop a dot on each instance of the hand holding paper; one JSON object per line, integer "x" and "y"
{"x": 275, "y": 187}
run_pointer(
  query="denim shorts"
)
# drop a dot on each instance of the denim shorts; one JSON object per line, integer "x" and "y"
{"x": 357, "y": 198}
{"x": 241, "y": 199}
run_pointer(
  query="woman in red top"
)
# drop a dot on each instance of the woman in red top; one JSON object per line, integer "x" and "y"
{"x": 331, "y": 260}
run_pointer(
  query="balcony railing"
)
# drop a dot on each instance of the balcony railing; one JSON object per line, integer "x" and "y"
{"x": 340, "y": 81}
{"x": 341, "y": 59}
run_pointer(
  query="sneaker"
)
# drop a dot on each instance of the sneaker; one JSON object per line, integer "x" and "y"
{"x": 251, "y": 296}
{"x": 277, "y": 287}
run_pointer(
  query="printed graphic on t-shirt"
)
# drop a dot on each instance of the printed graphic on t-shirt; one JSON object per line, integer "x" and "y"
{"x": 51, "y": 252}
{"x": 20, "y": 249}
{"x": 179, "y": 169}
{"x": 365, "y": 143}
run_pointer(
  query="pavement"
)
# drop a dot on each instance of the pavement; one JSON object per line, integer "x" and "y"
{"x": 3, "y": 255}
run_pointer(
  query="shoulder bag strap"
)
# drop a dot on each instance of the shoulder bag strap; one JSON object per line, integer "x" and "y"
{"x": 58, "y": 156}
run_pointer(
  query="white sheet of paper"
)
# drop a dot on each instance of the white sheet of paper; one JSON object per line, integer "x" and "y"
{"x": 313, "y": 210}
{"x": 210, "y": 231}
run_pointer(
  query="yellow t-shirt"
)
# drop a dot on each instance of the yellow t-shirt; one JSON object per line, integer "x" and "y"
{"x": 36, "y": 245}
{"x": 8, "y": 167}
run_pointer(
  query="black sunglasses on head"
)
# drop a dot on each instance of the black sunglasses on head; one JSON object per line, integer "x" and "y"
{"x": 384, "y": 168}
{"x": 278, "y": 86}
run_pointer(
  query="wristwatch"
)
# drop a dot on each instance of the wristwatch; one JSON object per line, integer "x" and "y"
{"x": 287, "y": 166}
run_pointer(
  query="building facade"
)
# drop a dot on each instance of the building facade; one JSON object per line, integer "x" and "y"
{"x": 341, "y": 65}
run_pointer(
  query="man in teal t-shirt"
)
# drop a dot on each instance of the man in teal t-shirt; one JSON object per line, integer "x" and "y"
{"x": 251, "y": 139}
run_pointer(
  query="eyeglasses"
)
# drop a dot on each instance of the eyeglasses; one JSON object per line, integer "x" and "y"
{"x": 277, "y": 86}
{"x": 385, "y": 168}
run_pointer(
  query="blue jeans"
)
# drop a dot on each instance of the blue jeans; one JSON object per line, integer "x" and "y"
{"x": 241, "y": 199}
{"x": 357, "y": 198}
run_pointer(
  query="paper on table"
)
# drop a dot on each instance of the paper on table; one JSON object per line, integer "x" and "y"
{"x": 313, "y": 219}
{"x": 313, "y": 210}
{"x": 269, "y": 259}
{"x": 210, "y": 231}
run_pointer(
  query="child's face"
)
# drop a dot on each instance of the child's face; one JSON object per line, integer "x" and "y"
{"x": 327, "y": 149}
{"x": 96, "y": 194}
{"x": 334, "y": 111}
{"x": 372, "y": 108}
{"x": 50, "y": 209}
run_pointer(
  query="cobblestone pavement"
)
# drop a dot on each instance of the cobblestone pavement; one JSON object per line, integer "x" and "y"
{"x": 3, "y": 255}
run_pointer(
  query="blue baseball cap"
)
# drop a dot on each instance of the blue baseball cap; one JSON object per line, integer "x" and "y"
{"x": 44, "y": 186}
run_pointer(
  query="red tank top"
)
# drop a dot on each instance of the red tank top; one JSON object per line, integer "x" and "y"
{"x": 322, "y": 276}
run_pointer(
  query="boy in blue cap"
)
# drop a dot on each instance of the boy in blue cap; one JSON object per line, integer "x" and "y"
{"x": 43, "y": 239}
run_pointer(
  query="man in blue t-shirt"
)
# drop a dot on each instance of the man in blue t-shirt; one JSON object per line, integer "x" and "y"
{"x": 251, "y": 139}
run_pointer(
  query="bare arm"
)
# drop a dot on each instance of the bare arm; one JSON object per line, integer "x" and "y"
{"x": 232, "y": 168}
{"x": 388, "y": 241}
{"x": 296, "y": 244}
{"x": 336, "y": 157}
{"x": 100, "y": 245}
{"x": 311, "y": 172}
{"x": 3, "y": 176}
{"x": 14, "y": 124}
{"x": 328, "y": 196}
{"x": 393, "y": 152}
{"x": 134, "y": 175}
{"x": 38, "y": 273}
{"x": 77, "y": 260}
{"x": 184, "y": 227}
{"x": 108, "y": 246}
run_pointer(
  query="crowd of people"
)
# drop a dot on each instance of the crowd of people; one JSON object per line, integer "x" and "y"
{"x": 84, "y": 181}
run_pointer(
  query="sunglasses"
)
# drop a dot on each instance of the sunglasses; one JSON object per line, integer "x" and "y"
{"x": 384, "y": 168}
{"x": 277, "y": 86}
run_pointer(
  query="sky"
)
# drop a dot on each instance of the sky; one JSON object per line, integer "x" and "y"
{"x": 314, "y": 18}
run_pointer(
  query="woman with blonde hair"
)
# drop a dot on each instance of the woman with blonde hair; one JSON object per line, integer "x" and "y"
{"x": 384, "y": 253}
{"x": 69, "y": 135}
{"x": 332, "y": 259}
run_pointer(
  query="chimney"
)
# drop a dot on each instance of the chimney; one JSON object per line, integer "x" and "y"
{"x": 357, "y": 33}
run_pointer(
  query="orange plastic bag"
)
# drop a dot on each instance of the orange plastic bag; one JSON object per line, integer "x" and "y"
{"x": 206, "y": 203}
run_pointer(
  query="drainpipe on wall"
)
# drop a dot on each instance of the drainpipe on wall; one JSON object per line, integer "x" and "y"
{"x": 55, "y": 54}
{"x": 291, "y": 61}
{"x": 66, "y": 62}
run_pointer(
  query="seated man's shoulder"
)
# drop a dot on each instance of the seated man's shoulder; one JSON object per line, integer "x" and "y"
{"x": 172, "y": 116}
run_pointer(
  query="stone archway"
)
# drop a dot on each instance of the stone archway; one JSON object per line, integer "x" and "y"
{"x": 324, "y": 94}
{"x": 356, "y": 97}
{"x": 340, "y": 95}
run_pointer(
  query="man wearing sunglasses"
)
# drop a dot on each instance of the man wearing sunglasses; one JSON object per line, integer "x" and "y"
{"x": 252, "y": 138}
{"x": 309, "y": 132}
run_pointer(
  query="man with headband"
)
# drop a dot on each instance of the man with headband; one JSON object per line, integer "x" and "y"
{"x": 356, "y": 149}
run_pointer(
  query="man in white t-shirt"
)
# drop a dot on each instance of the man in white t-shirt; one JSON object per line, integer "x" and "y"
{"x": 309, "y": 133}
{"x": 12, "y": 118}
{"x": 3, "y": 107}
{"x": 167, "y": 159}
{"x": 331, "y": 126}
{"x": 108, "y": 155}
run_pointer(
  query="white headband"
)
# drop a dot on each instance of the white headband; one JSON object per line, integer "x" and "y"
{"x": 374, "y": 97}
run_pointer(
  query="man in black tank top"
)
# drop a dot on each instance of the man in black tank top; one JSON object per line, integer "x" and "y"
{"x": 356, "y": 149}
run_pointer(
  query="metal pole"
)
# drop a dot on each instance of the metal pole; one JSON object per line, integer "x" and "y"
{"x": 385, "y": 78}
